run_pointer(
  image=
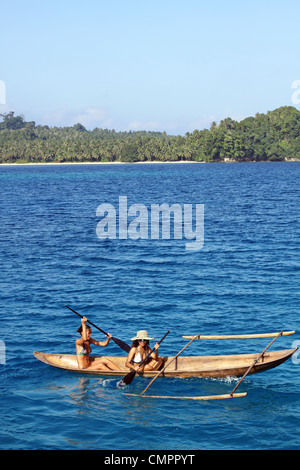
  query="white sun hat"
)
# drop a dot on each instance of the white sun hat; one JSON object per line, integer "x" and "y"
{"x": 142, "y": 334}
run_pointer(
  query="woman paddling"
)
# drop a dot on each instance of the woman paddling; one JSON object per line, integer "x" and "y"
{"x": 83, "y": 350}
{"x": 139, "y": 350}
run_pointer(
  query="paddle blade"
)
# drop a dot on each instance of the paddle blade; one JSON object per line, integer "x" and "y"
{"x": 127, "y": 379}
{"x": 121, "y": 344}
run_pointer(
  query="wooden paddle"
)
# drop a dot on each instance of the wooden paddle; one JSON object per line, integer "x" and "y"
{"x": 119, "y": 342}
{"x": 167, "y": 365}
{"x": 130, "y": 376}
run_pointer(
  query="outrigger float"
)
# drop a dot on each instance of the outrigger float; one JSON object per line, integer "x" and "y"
{"x": 238, "y": 365}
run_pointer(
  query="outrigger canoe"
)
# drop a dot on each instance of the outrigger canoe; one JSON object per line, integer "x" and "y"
{"x": 184, "y": 366}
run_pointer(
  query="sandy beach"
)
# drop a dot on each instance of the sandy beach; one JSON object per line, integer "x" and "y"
{"x": 96, "y": 163}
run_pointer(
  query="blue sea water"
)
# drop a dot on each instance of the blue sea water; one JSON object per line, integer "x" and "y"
{"x": 245, "y": 279}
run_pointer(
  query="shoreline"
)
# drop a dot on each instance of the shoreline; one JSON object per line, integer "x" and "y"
{"x": 97, "y": 163}
{"x": 135, "y": 163}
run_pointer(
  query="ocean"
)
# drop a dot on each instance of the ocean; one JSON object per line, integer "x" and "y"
{"x": 244, "y": 278}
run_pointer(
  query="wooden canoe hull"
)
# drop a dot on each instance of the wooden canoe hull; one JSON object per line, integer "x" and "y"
{"x": 183, "y": 366}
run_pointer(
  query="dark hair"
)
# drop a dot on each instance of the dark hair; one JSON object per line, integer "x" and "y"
{"x": 80, "y": 328}
{"x": 136, "y": 343}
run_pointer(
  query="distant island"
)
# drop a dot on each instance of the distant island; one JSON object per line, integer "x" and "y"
{"x": 274, "y": 136}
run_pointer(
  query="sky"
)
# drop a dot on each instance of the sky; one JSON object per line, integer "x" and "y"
{"x": 159, "y": 65}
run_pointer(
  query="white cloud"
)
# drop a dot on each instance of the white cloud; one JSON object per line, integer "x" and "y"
{"x": 92, "y": 117}
{"x": 203, "y": 122}
{"x": 55, "y": 118}
{"x": 5, "y": 108}
{"x": 143, "y": 126}
{"x": 89, "y": 118}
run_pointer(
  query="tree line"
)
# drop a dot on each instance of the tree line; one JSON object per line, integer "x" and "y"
{"x": 274, "y": 136}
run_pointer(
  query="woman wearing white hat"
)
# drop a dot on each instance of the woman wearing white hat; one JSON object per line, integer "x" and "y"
{"x": 139, "y": 350}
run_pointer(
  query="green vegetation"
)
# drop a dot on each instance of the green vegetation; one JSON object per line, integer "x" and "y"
{"x": 274, "y": 136}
